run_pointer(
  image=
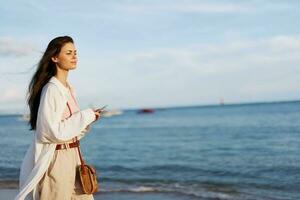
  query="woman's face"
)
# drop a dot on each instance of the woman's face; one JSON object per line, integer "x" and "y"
{"x": 67, "y": 57}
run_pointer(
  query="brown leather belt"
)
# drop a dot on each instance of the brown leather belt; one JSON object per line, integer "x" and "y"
{"x": 67, "y": 145}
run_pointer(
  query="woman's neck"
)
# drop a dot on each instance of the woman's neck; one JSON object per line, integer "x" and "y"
{"x": 62, "y": 76}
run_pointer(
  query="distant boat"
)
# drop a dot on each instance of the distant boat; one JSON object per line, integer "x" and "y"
{"x": 24, "y": 117}
{"x": 146, "y": 111}
{"x": 109, "y": 113}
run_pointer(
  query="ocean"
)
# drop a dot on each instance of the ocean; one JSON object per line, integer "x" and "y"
{"x": 238, "y": 152}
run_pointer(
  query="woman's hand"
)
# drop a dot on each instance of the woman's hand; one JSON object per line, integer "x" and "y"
{"x": 99, "y": 111}
{"x": 97, "y": 114}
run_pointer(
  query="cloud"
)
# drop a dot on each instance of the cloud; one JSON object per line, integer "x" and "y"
{"x": 220, "y": 58}
{"x": 11, "y": 47}
{"x": 185, "y": 8}
{"x": 204, "y": 6}
{"x": 245, "y": 70}
{"x": 12, "y": 94}
{"x": 284, "y": 43}
{"x": 243, "y": 63}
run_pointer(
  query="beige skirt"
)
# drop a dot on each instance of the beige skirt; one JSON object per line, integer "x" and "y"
{"x": 60, "y": 180}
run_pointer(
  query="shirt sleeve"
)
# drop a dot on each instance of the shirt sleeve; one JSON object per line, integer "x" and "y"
{"x": 50, "y": 126}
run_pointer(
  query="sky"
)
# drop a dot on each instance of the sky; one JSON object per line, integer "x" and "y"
{"x": 156, "y": 53}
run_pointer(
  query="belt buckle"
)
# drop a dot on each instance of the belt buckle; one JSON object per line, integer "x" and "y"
{"x": 66, "y": 145}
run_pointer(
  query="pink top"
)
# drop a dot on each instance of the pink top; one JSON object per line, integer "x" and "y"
{"x": 73, "y": 106}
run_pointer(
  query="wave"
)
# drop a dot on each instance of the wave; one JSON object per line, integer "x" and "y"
{"x": 178, "y": 179}
{"x": 9, "y": 184}
{"x": 198, "y": 191}
{"x": 175, "y": 169}
{"x": 202, "y": 191}
{"x": 174, "y": 189}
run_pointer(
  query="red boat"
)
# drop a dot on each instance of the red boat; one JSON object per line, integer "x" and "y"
{"x": 146, "y": 110}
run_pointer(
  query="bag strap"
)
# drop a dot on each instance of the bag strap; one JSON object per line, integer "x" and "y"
{"x": 81, "y": 159}
{"x": 78, "y": 146}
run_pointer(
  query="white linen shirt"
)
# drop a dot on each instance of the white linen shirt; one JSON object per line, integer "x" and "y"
{"x": 50, "y": 130}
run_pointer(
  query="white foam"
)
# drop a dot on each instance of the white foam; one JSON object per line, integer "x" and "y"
{"x": 143, "y": 189}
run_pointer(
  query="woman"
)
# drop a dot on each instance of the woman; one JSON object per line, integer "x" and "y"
{"x": 48, "y": 170}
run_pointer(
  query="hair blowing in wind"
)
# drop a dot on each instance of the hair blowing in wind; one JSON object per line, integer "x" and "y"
{"x": 45, "y": 70}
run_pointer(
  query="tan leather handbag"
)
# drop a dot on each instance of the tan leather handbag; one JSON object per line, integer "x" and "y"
{"x": 88, "y": 176}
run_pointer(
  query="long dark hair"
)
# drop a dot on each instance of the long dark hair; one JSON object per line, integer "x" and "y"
{"x": 45, "y": 70}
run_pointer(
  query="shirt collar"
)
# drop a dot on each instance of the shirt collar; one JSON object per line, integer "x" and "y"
{"x": 63, "y": 88}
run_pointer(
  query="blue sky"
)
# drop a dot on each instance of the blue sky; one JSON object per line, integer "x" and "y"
{"x": 154, "y": 53}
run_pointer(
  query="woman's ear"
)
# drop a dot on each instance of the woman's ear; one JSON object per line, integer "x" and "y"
{"x": 54, "y": 59}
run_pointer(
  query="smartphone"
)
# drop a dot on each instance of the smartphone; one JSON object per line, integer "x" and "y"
{"x": 101, "y": 109}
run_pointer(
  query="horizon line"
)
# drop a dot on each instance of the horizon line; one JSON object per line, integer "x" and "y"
{"x": 190, "y": 106}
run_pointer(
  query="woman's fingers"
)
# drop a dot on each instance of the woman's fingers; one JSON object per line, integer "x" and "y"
{"x": 97, "y": 115}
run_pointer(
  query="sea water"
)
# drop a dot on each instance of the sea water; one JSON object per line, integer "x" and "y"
{"x": 244, "y": 151}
